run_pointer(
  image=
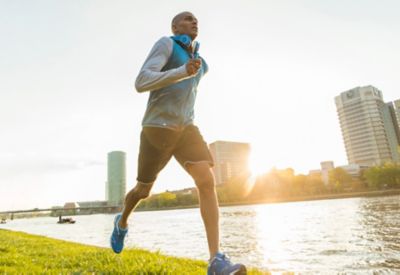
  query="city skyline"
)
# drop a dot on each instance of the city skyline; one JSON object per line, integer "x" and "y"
{"x": 369, "y": 126}
{"x": 68, "y": 71}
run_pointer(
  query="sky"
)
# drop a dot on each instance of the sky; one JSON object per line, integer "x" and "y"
{"x": 67, "y": 97}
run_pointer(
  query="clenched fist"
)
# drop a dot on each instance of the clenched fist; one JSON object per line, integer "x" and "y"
{"x": 193, "y": 66}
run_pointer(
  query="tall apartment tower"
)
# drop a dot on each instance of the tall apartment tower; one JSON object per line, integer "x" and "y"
{"x": 369, "y": 126}
{"x": 116, "y": 178}
{"x": 231, "y": 159}
{"x": 396, "y": 105}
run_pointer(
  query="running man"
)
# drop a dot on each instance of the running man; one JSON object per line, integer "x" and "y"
{"x": 171, "y": 73}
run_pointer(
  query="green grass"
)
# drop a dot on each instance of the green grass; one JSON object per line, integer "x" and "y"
{"x": 25, "y": 253}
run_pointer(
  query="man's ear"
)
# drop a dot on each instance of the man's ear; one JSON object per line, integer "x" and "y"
{"x": 173, "y": 28}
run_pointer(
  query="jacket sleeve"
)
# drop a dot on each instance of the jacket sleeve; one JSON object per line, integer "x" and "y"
{"x": 150, "y": 76}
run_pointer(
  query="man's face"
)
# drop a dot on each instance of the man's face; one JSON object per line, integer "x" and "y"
{"x": 185, "y": 23}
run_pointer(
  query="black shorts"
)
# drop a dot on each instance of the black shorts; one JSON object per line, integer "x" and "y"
{"x": 158, "y": 145}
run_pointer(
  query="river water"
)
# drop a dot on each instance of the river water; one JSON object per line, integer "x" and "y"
{"x": 351, "y": 236}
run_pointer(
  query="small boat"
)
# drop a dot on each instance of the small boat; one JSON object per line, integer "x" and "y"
{"x": 65, "y": 220}
{"x": 3, "y": 221}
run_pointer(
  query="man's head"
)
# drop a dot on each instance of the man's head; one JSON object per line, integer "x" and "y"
{"x": 185, "y": 23}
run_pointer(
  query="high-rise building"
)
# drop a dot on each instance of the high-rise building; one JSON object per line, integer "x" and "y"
{"x": 230, "y": 159}
{"x": 396, "y": 105}
{"x": 392, "y": 130}
{"x": 369, "y": 127}
{"x": 116, "y": 178}
{"x": 326, "y": 167}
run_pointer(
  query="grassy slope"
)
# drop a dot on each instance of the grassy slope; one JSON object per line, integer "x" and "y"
{"x": 25, "y": 253}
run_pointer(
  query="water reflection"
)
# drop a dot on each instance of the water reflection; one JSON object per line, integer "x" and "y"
{"x": 358, "y": 235}
{"x": 379, "y": 234}
{"x": 343, "y": 235}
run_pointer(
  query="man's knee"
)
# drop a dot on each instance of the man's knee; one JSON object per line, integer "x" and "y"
{"x": 205, "y": 182}
{"x": 202, "y": 175}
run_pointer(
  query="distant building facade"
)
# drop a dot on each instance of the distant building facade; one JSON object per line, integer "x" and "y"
{"x": 354, "y": 170}
{"x": 116, "y": 178}
{"x": 369, "y": 126}
{"x": 396, "y": 104}
{"x": 396, "y": 107}
{"x": 71, "y": 208}
{"x": 71, "y": 205}
{"x": 326, "y": 166}
{"x": 92, "y": 204}
{"x": 93, "y": 207}
{"x": 231, "y": 159}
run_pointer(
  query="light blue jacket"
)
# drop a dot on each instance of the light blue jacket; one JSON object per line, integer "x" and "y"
{"x": 172, "y": 91}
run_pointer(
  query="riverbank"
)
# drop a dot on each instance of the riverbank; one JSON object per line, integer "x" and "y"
{"x": 24, "y": 253}
{"x": 377, "y": 193}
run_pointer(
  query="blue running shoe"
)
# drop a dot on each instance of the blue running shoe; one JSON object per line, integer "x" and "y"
{"x": 118, "y": 235}
{"x": 221, "y": 265}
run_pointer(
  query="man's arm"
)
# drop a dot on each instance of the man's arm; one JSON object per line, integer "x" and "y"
{"x": 150, "y": 76}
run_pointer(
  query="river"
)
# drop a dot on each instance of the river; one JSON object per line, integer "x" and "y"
{"x": 352, "y": 235}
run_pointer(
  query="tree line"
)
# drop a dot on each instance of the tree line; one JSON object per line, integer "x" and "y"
{"x": 283, "y": 184}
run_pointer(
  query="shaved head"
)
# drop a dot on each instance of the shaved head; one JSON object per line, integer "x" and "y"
{"x": 184, "y": 23}
{"x": 179, "y": 17}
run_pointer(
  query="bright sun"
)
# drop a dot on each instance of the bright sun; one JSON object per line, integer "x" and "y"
{"x": 257, "y": 164}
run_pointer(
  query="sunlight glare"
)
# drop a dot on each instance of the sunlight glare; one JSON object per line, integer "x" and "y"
{"x": 272, "y": 224}
{"x": 257, "y": 164}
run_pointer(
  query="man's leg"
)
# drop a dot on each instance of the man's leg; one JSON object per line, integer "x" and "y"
{"x": 139, "y": 192}
{"x": 120, "y": 230}
{"x": 204, "y": 179}
{"x": 156, "y": 145}
{"x": 155, "y": 151}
